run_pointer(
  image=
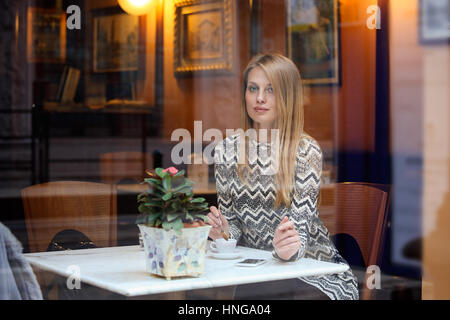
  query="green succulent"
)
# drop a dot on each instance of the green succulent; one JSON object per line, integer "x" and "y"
{"x": 169, "y": 201}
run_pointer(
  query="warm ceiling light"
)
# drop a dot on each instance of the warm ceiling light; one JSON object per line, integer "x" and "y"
{"x": 136, "y": 7}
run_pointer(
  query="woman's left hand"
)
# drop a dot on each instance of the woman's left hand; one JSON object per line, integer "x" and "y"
{"x": 286, "y": 240}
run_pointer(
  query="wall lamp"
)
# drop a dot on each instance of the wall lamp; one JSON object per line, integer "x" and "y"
{"x": 136, "y": 7}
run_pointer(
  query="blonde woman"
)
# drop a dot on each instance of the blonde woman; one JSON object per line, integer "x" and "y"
{"x": 268, "y": 184}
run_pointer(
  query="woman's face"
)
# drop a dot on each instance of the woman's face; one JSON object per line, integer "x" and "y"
{"x": 260, "y": 99}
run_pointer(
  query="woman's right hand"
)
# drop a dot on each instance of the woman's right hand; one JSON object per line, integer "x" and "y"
{"x": 218, "y": 223}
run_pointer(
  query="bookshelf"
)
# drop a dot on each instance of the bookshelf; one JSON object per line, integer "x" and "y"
{"x": 52, "y": 118}
{"x": 112, "y": 106}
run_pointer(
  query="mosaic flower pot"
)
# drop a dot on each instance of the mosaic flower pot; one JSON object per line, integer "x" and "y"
{"x": 169, "y": 255}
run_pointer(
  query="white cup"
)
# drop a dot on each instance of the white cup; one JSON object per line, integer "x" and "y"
{"x": 223, "y": 246}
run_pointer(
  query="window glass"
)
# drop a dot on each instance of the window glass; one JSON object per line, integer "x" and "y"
{"x": 99, "y": 93}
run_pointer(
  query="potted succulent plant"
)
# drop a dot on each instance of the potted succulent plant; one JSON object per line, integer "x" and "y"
{"x": 172, "y": 224}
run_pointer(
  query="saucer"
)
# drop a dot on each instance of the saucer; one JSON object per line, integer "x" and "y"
{"x": 225, "y": 256}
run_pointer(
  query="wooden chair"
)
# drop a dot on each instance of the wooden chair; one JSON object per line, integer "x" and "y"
{"x": 87, "y": 207}
{"x": 359, "y": 210}
{"x": 124, "y": 166}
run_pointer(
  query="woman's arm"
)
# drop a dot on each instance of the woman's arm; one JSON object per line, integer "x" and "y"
{"x": 223, "y": 174}
{"x": 303, "y": 208}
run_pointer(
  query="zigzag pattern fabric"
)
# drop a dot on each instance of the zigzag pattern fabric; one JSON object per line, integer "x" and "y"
{"x": 249, "y": 208}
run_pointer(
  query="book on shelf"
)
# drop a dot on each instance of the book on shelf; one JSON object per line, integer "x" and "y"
{"x": 70, "y": 85}
{"x": 61, "y": 84}
{"x": 67, "y": 88}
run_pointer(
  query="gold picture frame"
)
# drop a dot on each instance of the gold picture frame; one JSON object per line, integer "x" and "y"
{"x": 204, "y": 32}
{"x": 314, "y": 40}
{"x": 118, "y": 41}
{"x": 46, "y": 35}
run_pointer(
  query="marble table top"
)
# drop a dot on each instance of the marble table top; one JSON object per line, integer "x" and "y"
{"x": 122, "y": 270}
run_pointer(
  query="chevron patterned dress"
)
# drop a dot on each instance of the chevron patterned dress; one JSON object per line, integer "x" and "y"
{"x": 249, "y": 208}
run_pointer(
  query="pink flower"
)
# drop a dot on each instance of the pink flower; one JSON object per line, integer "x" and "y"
{"x": 172, "y": 170}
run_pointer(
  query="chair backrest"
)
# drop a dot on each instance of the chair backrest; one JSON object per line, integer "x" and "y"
{"x": 88, "y": 207}
{"x": 116, "y": 167}
{"x": 359, "y": 210}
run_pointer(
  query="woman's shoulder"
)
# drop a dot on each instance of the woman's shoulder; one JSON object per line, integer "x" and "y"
{"x": 308, "y": 147}
{"x": 225, "y": 148}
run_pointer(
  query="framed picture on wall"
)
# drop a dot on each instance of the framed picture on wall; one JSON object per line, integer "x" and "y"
{"x": 46, "y": 35}
{"x": 203, "y": 36}
{"x": 118, "y": 41}
{"x": 313, "y": 40}
{"x": 434, "y": 21}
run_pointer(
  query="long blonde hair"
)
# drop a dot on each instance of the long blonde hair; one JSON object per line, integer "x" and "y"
{"x": 287, "y": 85}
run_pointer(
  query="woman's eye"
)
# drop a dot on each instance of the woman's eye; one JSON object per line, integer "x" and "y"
{"x": 252, "y": 89}
{"x": 269, "y": 90}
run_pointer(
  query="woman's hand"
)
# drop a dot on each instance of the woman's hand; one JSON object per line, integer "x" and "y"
{"x": 286, "y": 240}
{"x": 218, "y": 223}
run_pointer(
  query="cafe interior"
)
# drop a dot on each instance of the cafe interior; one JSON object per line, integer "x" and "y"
{"x": 97, "y": 94}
